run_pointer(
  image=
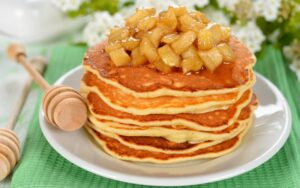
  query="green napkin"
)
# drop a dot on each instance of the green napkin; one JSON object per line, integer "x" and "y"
{"x": 42, "y": 167}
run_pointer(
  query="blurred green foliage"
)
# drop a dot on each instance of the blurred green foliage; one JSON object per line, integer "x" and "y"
{"x": 112, "y": 6}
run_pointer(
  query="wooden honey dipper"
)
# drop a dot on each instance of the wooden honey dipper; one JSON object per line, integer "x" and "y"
{"x": 63, "y": 107}
{"x": 9, "y": 142}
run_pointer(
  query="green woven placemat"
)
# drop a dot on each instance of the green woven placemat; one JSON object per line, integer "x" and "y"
{"x": 42, "y": 167}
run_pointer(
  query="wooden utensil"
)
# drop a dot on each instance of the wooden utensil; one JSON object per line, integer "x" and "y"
{"x": 62, "y": 105}
{"x": 9, "y": 142}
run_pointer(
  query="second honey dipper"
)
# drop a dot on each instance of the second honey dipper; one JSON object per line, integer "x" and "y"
{"x": 63, "y": 106}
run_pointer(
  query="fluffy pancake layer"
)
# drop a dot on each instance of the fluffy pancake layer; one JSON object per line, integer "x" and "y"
{"x": 215, "y": 120}
{"x": 160, "y": 144}
{"x": 157, "y": 105}
{"x": 171, "y": 133}
{"x": 114, "y": 97}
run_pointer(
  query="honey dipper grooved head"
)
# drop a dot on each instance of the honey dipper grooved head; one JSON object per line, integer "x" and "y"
{"x": 64, "y": 108}
{"x": 4, "y": 166}
{"x": 9, "y": 151}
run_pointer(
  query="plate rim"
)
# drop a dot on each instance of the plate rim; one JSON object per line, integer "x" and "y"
{"x": 178, "y": 181}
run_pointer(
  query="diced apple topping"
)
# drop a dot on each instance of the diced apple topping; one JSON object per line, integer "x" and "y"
{"x": 171, "y": 39}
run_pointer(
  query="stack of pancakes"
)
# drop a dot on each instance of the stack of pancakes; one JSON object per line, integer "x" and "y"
{"x": 140, "y": 114}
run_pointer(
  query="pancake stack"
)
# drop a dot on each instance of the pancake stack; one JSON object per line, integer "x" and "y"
{"x": 147, "y": 114}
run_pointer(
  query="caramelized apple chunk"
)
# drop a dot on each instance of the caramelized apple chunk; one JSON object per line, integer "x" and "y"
{"x": 130, "y": 43}
{"x": 118, "y": 34}
{"x": 147, "y": 23}
{"x": 226, "y": 52}
{"x": 191, "y": 60}
{"x": 140, "y": 14}
{"x": 168, "y": 20}
{"x": 200, "y": 17}
{"x": 155, "y": 36}
{"x": 112, "y": 46}
{"x": 188, "y": 23}
{"x": 205, "y": 39}
{"x": 170, "y": 38}
{"x": 119, "y": 57}
{"x": 149, "y": 50}
{"x": 211, "y": 58}
{"x": 184, "y": 41}
{"x": 137, "y": 57}
{"x": 161, "y": 66}
{"x": 191, "y": 52}
{"x": 191, "y": 64}
{"x": 216, "y": 33}
{"x": 225, "y": 31}
{"x": 168, "y": 56}
{"x": 179, "y": 11}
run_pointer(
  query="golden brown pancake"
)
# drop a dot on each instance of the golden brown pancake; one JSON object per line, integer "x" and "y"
{"x": 227, "y": 75}
{"x": 159, "y": 144}
{"x": 214, "y": 120}
{"x": 114, "y": 97}
{"x": 116, "y": 149}
{"x": 171, "y": 133}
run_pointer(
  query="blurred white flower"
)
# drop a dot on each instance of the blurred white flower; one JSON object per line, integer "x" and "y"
{"x": 267, "y": 8}
{"x": 287, "y": 52}
{"x": 292, "y": 52}
{"x": 190, "y": 4}
{"x": 162, "y": 5}
{"x": 217, "y": 16}
{"x": 68, "y": 5}
{"x": 250, "y": 34}
{"x": 95, "y": 31}
{"x": 295, "y": 66}
{"x": 228, "y": 4}
{"x": 157, "y": 4}
{"x": 128, "y": 11}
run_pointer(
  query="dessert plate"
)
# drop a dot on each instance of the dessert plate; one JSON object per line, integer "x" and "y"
{"x": 270, "y": 131}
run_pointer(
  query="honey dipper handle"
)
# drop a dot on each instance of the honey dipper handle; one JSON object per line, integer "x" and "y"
{"x": 17, "y": 52}
{"x": 39, "y": 64}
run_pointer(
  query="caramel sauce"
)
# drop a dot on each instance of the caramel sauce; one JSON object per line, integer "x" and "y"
{"x": 144, "y": 78}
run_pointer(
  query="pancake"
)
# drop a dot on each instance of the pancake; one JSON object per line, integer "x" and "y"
{"x": 114, "y": 97}
{"x": 118, "y": 150}
{"x": 174, "y": 134}
{"x": 227, "y": 78}
{"x": 177, "y": 135}
{"x": 160, "y": 144}
{"x": 215, "y": 120}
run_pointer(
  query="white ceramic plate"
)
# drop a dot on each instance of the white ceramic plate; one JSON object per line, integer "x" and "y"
{"x": 268, "y": 134}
